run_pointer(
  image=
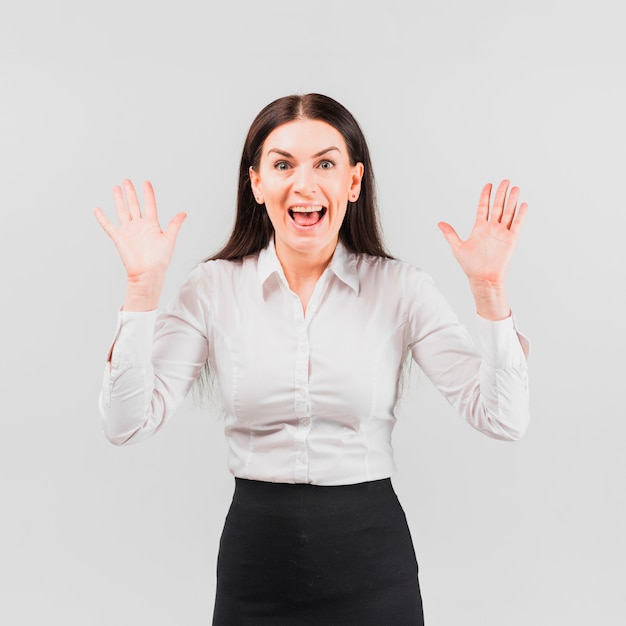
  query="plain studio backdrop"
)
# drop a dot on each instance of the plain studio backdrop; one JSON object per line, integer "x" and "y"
{"x": 451, "y": 95}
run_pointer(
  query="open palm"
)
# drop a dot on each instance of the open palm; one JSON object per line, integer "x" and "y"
{"x": 144, "y": 248}
{"x": 485, "y": 255}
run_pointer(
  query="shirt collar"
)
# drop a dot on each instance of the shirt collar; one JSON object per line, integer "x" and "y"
{"x": 343, "y": 265}
{"x": 268, "y": 263}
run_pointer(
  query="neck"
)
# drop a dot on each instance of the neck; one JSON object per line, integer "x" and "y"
{"x": 303, "y": 269}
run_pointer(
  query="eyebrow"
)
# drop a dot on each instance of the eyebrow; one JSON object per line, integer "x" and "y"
{"x": 290, "y": 156}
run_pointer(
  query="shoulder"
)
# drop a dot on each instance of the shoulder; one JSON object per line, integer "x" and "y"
{"x": 217, "y": 275}
{"x": 391, "y": 272}
{"x": 402, "y": 286}
{"x": 209, "y": 283}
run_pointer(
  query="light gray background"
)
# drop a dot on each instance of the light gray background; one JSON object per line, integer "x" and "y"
{"x": 451, "y": 94}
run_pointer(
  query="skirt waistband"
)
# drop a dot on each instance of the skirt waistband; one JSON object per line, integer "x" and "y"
{"x": 260, "y": 495}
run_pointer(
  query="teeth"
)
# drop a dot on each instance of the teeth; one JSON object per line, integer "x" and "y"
{"x": 305, "y": 209}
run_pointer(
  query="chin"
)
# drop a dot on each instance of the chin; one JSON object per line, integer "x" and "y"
{"x": 309, "y": 244}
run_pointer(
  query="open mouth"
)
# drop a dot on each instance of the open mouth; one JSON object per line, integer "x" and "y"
{"x": 307, "y": 215}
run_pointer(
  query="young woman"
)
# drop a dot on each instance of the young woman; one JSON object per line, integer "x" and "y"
{"x": 305, "y": 321}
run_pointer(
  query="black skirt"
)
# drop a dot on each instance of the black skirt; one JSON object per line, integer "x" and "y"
{"x": 305, "y": 554}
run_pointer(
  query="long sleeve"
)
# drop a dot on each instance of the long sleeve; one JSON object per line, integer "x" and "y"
{"x": 488, "y": 388}
{"x": 154, "y": 361}
{"x": 310, "y": 396}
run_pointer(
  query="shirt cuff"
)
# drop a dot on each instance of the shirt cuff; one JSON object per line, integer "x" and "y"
{"x": 503, "y": 345}
{"x": 132, "y": 343}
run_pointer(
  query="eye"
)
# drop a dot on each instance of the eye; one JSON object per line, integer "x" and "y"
{"x": 281, "y": 166}
{"x": 326, "y": 164}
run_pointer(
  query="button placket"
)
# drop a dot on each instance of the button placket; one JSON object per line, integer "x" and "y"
{"x": 301, "y": 393}
{"x": 301, "y": 379}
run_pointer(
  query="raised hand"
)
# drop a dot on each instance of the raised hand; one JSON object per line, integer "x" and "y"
{"x": 145, "y": 249}
{"x": 486, "y": 254}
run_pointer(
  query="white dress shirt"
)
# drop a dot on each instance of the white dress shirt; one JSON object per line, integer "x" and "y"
{"x": 310, "y": 397}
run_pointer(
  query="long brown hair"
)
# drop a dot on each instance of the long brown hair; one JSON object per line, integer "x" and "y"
{"x": 360, "y": 231}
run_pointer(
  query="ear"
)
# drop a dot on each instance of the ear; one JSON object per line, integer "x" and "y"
{"x": 255, "y": 184}
{"x": 355, "y": 182}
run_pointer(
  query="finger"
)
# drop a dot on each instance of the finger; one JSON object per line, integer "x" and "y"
{"x": 518, "y": 221}
{"x": 171, "y": 232}
{"x": 498, "y": 202}
{"x": 103, "y": 220}
{"x": 120, "y": 205}
{"x": 511, "y": 205}
{"x": 450, "y": 234}
{"x": 132, "y": 200}
{"x": 482, "y": 214}
{"x": 149, "y": 200}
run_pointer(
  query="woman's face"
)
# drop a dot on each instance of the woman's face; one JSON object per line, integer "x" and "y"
{"x": 305, "y": 180}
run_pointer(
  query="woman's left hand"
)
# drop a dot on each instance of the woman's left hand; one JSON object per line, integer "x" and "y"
{"x": 486, "y": 254}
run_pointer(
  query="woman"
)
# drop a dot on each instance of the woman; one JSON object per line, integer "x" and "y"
{"x": 306, "y": 321}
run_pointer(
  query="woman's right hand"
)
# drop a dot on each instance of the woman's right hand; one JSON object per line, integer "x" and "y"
{"x": 145, "y": 250}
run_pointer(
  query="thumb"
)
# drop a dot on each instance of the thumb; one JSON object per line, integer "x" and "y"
{"x": 450, "y": 234}
{"x": 171, "y": 232}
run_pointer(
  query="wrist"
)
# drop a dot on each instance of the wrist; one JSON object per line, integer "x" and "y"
{"x": 143, "y": 293}
{"x": 491, "y": 300}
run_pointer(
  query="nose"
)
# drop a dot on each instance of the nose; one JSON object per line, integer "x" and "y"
{"x": 304, "y": 182}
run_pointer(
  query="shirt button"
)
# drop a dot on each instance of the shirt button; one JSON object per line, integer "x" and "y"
{"x": 312, "y": 308}
{"x": 302, "y": 391}
{"x": 305, "y": 421}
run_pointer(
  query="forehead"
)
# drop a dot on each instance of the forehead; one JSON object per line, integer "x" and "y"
{"x": 304, "y": 137}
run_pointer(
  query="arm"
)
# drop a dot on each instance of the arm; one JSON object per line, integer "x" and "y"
{"x": 135, "y": 398}
{"x": 154, "y": 361}
{"x": 488, "y": 388}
